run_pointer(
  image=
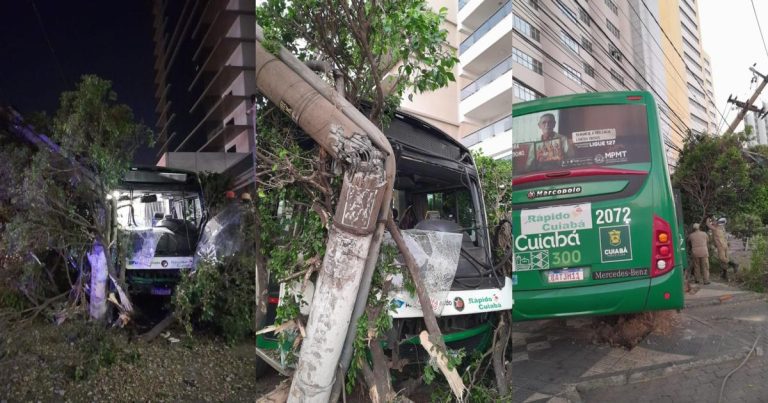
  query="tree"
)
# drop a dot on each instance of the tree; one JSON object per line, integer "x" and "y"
{"x": 380, "y": 49}
{"x": 60, "y": 196}
{"x": 376, "y": 52}
{"x": 713, "y": 175}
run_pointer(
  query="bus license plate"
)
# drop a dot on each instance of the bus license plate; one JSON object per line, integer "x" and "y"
{"x": 565, "y": 275}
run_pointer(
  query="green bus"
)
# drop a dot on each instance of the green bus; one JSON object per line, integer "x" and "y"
{"x": 595, "y": 225}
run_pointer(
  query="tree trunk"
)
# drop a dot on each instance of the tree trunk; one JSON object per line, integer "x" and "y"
{"x": 99, "y": 274}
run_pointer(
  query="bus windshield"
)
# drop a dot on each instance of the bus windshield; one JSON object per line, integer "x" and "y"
{"x": 575, "y": 137}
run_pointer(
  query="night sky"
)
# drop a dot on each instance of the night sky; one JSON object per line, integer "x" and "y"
{"x": 112, "y": 39}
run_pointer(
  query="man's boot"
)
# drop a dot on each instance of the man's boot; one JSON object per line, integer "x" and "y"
{"x": 724, "y": 275}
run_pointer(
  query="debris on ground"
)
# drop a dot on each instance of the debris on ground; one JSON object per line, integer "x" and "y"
{"x": 629, "y": 330}
{"x": 45, "y": 362}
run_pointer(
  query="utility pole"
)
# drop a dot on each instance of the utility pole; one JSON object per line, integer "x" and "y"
{"x": 748, "y": 106}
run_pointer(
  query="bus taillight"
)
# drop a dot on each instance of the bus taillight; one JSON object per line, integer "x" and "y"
{"x": 662, "y": 254}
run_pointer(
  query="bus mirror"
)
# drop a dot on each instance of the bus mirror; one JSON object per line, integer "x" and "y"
{"x": 148, "y": 198}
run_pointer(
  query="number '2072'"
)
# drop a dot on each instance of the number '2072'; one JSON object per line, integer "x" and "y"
{"x": 619, "y": 215}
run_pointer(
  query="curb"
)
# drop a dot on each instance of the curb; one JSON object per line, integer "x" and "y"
{"x": 735, "y": 299}
{"x": 645, "y": 375}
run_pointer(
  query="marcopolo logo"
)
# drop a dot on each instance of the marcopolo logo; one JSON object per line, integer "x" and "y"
{"x": 534, "y": 194}
{"x": 558, "y": 218}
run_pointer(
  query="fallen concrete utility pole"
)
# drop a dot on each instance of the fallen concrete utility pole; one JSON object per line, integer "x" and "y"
{"x": 343, "y": 132}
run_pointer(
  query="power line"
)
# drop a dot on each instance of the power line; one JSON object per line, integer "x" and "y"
{"x": 679, "y": 74}
{"x": 676, "y": 51}
{"x": 651, "y": 72}
{"x": 556, "y": 42}
{"x": 50, "y": 46}
{"x": 758, "y": 27}
{"x": 675, "y": 126}
{"x": 650, "y": 86}
{"x": 570, "y": 55}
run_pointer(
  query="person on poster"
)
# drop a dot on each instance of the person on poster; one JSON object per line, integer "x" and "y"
{"x": 553, "y": 147}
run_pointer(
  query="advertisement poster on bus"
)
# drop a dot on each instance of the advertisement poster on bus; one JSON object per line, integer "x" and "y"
{"x": 580, "y": 137}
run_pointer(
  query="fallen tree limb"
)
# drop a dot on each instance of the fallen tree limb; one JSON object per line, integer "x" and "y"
{"x": 155, "y": 331}
{"x": 451, "y": 375}
{"x": 432, "y": 339}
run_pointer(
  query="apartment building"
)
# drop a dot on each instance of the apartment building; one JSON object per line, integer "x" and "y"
{"x": 759, "y": 126}
{"x": 485, "y": 78}
{"x": 204, "y": 64}
{"x": 571, "y": 46}
{"x": 698, "y": 71}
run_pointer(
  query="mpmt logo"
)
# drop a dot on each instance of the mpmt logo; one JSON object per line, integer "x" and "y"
{"x": 554, "y": 192}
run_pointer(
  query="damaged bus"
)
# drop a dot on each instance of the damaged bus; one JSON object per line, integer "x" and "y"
{"x": 596, "y": 227}
{"x": 438, "y": 205}
{"x": 159, "y": 214}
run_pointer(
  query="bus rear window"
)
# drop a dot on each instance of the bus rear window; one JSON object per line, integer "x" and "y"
{"x": 599, "y": 135}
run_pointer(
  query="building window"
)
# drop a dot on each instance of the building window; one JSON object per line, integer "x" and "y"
{"x": 567, "y": 11}
{"x": 589, "y": 70}
{"x": 613, "y": 29}
{"x": 586, "y": 44}
{"x": 614, "y": 52}
{"x": 526, "y": 60}
{"x": 615, "y": 75}
{"x": 523, "y": 92}
{"x": 583, "y": 16}
{"x": 568, "y": 41}
{"x": 612, "y": 6}
{"x": 526, "y": 28}
{"x": 571, "y": 73}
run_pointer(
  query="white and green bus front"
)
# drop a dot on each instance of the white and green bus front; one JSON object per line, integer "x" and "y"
{"x": 160, "y": 215}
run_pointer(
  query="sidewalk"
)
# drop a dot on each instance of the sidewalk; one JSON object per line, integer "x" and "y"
{"x": 556, "y": 360}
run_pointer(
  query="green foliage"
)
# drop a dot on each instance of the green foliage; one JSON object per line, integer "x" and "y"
{"x": 746, "y": 225}
{"x": 99, "y": 348}
{"x": 56, "y": 201}
{"x": 496, "y": 182}
{"x": 755, "y": 277}
{"x": 219, "y": 293}
{"x": 371, "y": 329}
{"x": 713, "y": 175}
{"x": 365, "y": 41}
{"x": 102, "y": 133}
{"x": 215, "y": 185}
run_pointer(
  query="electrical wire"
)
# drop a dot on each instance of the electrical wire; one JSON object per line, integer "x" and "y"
{"x": 50, "y": 46}
{"x": 555, "y": 40}
{"x": 676, "y": 51}
{"x": 679, "y": 126}
{"x": 722, "y": 386}
{"x": 682, "y": 125}
{"x": 637, "y": 13}
{"x": 759, "y": 27}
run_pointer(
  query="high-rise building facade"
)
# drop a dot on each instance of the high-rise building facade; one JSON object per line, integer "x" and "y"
{"x": 486, "y": 59}
{"x": 204, "y": 64}
{"x": 570, "y": 46}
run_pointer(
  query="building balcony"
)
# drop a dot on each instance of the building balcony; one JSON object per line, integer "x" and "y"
{"x": 214, "y": 118}
{"x": 473, "y": 13}
{"x": 490, "y": 100}
{"x": 489, "y": 44}
{"x": 495, "y": 139}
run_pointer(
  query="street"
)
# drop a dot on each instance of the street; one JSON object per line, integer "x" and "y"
{"x": 557, "y": 361}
